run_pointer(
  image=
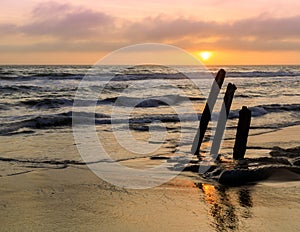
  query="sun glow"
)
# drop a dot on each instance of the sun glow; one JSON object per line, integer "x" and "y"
{"x": 205, "y": 55}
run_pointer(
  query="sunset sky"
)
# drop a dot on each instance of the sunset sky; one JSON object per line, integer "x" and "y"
{"x": 83, "y": 31}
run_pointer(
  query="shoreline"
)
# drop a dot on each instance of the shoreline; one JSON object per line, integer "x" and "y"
{"x": 73, "y": 198}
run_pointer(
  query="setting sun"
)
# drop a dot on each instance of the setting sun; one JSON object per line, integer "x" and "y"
{"x": 205, "y": 55}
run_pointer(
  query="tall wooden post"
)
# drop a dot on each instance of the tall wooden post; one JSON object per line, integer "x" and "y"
{"x": 242, "y": 132}
{"x": 231, "y": 88}
{"x": 206, "y": 114}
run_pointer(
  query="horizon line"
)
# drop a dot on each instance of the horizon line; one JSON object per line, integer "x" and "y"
{"x": 149, "y": 64}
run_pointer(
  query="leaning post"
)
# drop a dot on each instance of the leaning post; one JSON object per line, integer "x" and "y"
{"x": 206, "y": 114}
{"x": 228, "y": 97}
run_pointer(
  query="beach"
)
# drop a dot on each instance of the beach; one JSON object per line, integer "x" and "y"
{"x": 45, "y": 183}
{"x": 75, "y": 199}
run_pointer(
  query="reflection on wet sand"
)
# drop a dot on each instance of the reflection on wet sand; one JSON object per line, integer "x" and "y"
{"x": 245, "y": 202}
{"x": 227, "y": 206}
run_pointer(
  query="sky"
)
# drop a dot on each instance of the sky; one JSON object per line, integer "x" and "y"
{"x": 83, "y": 31}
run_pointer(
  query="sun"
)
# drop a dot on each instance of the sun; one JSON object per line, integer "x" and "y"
{"x": 205, "y": 55}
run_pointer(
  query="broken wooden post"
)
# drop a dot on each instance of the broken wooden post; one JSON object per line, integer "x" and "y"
{"x": 231, "y": 88}
{"x": 206, "y": 114}
{"x": 242, "y": 132}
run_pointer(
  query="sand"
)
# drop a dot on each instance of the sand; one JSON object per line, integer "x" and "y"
{"x": 75, "y": 199}
{"x": 284, "y": 138}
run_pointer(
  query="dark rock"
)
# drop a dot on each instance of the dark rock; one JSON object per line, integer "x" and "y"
{"x": 290, "y": 152}
{"x": 296, "y": 162}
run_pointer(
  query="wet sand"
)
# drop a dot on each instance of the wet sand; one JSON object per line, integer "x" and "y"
{"x": 74, "y": 199}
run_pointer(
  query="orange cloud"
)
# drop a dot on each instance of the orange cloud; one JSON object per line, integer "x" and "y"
{"x": 64, "y": 27}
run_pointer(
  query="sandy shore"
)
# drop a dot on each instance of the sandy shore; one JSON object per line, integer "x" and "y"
{"x": 74, "y": 199}
{"x": 284, "y": 138}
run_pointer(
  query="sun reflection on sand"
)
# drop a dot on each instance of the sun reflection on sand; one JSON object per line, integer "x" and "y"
{"x": 227, "y": 207}
{"x": 210, "y": 193}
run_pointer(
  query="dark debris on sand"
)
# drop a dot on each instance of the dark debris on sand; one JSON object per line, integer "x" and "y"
{"x": 251, "y": 170}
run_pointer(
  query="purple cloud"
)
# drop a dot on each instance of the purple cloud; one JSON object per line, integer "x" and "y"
{"x": 66, "y": 21}
{"x": 268, "y": 28}
{"x": 260, "y": 27}
{"x": 74, "y": 28}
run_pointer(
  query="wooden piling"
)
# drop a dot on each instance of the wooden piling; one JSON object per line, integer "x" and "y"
{"x": 206, "y": 114}
{"x": 242, "y": 132}
{"x": 228, "y": 97}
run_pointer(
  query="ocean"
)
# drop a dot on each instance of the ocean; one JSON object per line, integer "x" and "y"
{"x": 36, "y": 108}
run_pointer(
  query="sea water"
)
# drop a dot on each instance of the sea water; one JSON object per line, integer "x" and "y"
{"x": 36, "y": 108}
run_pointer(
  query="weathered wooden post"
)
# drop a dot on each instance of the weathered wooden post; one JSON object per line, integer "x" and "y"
{"x": 206, "y": 114}
{"x": 242, "y": 132}
{"x": 231, "y": 88}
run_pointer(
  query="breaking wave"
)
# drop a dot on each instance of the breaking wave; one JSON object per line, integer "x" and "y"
{"x": 261, "y": 110}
